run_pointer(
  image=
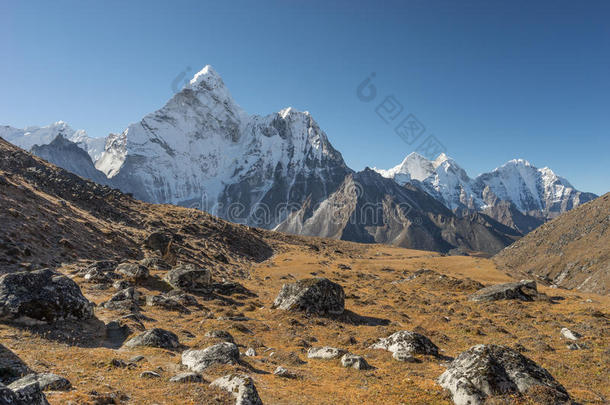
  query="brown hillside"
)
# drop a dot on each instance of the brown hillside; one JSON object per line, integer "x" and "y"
{"x": 571, "y": 251}
{"x": 50, "y": 218}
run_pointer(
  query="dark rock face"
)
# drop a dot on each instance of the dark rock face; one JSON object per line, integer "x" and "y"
{"x": 407, "y": 342}
{"x": 241, "y": 387}
{"x": 490, "y": 370}
{"x": 524, "y": 290}
{"x": 222, "y": 353}
{"x": 369, "y": 208}
{"x": 190, "y": 278}
{"x": 41, "y": 295}
{"x": 156, "y": 337}
{"x": 314, "y": 295}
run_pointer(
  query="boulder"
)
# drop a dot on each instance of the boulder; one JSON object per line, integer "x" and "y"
{"x": 241, "y": 387}
{"x": 41, "y": 296}
{"x": 133, "y": 271}
{"x": 46, "y": 382}
{"x": 23, "y": 392}
{"x": 354, "y": 361}
{"x": 313, "y": 295}
{"x": 11, "y": 366}
{"x": 168, "y": 303}
{"x": 524, "y": 290}
{"x": 325, "y": 353}
{"x": 158, "y": 241}
{"x": 407, "y": 342}
{"x": 222, "y": 353}
{"x": 189, "y": 278}
{"x": 156, "y": 337}
{"x": 187, "y": 378}
{"x": 490, "y": 370}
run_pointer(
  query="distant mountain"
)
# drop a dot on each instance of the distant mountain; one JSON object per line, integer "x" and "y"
{"x": 570, "y": 251}
{"x": 372, "y": 209}
{"x": 517, "y": 194}
{"x": 280, "y": 171}
{"x": 68, "y": 155}
{"x": 28, "y": 137}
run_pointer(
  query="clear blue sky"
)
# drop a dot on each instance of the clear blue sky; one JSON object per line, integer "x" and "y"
{"x": 492, "y": 80}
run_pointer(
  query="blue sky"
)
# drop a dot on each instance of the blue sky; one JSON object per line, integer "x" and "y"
{"x": 490, "y": 80}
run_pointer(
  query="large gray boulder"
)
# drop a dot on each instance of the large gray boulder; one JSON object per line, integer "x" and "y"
{"x": 524, "y": 290}
{"x": 41, "y": 296}
{"x": 46, "y": 382}
{"x": 222, "y": 353}
{"x": 313, "y": 295}
{"x": 156, "y": 337}
{"x": 189, "y": 278}
{"x": 407, "y": 342}
{"x": 22, "y": 392}
{"x": 490, "y": 370}
{"x": 241, "y": 387}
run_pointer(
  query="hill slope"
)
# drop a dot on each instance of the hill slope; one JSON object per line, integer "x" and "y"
{"x": 570, "y": 251}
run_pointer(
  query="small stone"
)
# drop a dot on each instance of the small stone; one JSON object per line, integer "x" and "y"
{"x": 568, "y": 334}
{"x": 407, "y": 341}
{"x": 283, "y": 372}
{"x": 150, "y": 374}
{"x": 220, "y": 334}
{"x": 250, "y": 352}
{"x": 187, "y": 378}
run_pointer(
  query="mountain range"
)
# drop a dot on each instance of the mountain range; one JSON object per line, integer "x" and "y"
{"x": 280, "y": 171}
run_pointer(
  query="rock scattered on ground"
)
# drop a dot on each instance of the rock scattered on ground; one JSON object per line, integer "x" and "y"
{"x": 220, "y": 334}
{"x": 284, "y": 372}
{"x": 46, "y": 381}
{"x": 524, "y": 290}
{"x": 407, "y": 342}
{"x": 190, "y": 278}
{"x": 22, "y": 392}
{"x": 222, "y": 353}
{"x": 325, "y": 353}
{"x": 313, "y": 295}
{"x": 354, "y": 361}
{"x": 156, "y": 337}
{"x": 41, "y": 296}
{"x": 133, "y": 271}
{"x": 568, "y": 334}
{"x": 489, "y": 370}
{"x": 187, "y": 378}
{"x": 241, "y": 387}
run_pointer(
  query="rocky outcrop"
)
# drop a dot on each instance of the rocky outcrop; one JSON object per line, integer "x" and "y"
{"x": 11, "y": 366}
{"x": 222, "y": 353}
{"x": 407, "y": 342}
{"x": 190, "y": 278}
{"x": 41, "y": 296}
{"x": 524, "y": 290}
{"x": 241, "y": 387}
{"x": 488, "y": 370}
{"x": 155, "y": 338}
{"x": 314, "y": 295}
{"x": 22, "y": 392}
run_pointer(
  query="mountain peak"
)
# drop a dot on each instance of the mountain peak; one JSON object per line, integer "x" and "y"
{"x": 207, "y": 78}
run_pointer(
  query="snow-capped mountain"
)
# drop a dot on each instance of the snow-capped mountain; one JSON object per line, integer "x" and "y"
{"x": 537, "y": 193}
{"x": 201, "y": 149}
{"x": 28, "y": 137}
